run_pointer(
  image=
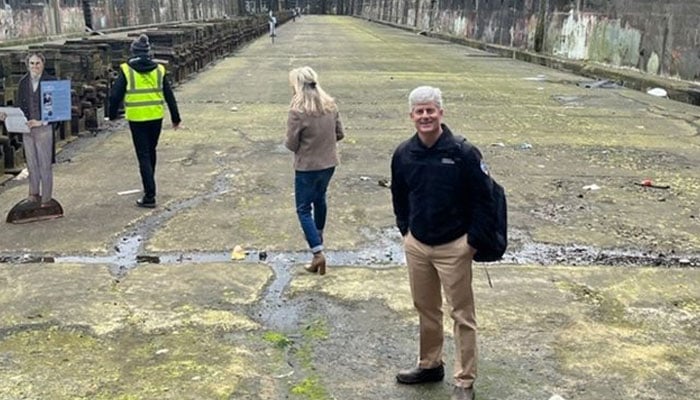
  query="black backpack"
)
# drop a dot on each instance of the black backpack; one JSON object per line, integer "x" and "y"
{"x": 496, "y": 236}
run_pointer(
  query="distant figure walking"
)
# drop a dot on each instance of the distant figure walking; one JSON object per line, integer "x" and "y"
{"x": 313, "y": 129}
{"x": 272, "y": 21}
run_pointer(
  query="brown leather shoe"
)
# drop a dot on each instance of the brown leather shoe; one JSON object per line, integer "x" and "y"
{"x": 461, "y": 393}
{"x": 420, "y": 375}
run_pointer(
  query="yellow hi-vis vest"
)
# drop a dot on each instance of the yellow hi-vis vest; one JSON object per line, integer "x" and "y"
{"x": 144, "y": 97}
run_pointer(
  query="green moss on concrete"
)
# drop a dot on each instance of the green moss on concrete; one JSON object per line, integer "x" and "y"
{"x": 56, "y": 362}
{"x": 310, "y": 388}
{"x": 279, "y": 340}
{"x": 352, "y": 284}
{"x": 588, "y": 347}
{"x": 606, "y": 308}
{"x": 316, "y": 330}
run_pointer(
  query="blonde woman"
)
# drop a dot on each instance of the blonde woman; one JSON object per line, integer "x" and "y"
{"x": 313, "y": 128}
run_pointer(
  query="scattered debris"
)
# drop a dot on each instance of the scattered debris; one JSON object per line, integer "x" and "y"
{"x": 238, "y": 253}
{"x": 26, "y": 259}
{"x": 658, "y": 92}
{"x": 601, "y": 84}
{"x": 290, "y": 373}
{"x": 148, "y": 259}
{"x": 650, "y": 184}
{"x": 384, "y": 183}
{"x": 234, "y": 109}
{"x": 24, "y": 174}
{"x": 568, "y": 100}
{"x": 498, "y": 144}
{"x": 538, "y": 78}
{"x": 525, "y": 146}
{"x": 125, "y": 192}
{"x": 591, "y": 187}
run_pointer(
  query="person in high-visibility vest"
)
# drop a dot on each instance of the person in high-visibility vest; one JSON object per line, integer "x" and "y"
{"x": 144, "y": 87}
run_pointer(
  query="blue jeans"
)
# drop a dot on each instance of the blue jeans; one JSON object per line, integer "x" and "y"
{"x": 310, "y": 195}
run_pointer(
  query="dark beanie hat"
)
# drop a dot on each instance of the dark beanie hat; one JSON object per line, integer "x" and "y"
{"x": 141, "y": 46}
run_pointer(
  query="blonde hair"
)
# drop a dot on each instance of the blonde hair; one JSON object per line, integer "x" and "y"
{"x": 308, "y": 96}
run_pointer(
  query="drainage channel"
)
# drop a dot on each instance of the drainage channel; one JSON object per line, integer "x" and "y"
{"x": 384, "y": 254}
{"x": 275, "y": 311}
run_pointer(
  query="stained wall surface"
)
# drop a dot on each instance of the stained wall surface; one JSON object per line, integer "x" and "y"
{"x": 658, "y": 37}
{"x": 21, "y": 19}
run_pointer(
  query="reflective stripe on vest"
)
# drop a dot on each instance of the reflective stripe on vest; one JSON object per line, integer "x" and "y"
{"x": 144, "y": 94}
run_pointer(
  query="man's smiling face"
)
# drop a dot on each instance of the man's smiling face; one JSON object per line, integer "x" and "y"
{"x": 427, "y": 118}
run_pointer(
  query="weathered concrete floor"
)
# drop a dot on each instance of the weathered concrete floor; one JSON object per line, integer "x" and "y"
{"x": 197, "y": 326}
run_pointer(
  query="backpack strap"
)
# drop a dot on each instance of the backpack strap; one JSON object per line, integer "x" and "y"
{"x": 463, "y": 146}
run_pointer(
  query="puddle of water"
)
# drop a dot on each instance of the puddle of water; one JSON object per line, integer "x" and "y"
{"x": 273, "y": 309}
{"x": 543, "y": 254}
{"x": 123, "y": 260}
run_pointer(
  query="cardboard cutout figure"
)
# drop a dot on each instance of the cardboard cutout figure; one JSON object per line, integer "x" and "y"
{"x": 38, "y": 147}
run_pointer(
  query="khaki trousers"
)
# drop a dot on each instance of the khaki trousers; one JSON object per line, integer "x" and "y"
{"x": 447, "y": 266}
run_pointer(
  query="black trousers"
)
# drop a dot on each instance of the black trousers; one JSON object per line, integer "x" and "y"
{"x": 145, "y": 135}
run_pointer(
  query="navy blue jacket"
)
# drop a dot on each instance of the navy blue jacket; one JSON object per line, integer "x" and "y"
{"x": 440, "y": 192}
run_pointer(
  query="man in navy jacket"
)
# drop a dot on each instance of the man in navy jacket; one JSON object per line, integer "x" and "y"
{"x": 439, "y": 190}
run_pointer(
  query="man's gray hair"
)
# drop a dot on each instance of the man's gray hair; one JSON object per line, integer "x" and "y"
{"x": 425, "y": 94}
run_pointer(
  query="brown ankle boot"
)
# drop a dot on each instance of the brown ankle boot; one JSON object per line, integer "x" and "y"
{"x": 311, "y": 268}
{"x": 318, "y": 264}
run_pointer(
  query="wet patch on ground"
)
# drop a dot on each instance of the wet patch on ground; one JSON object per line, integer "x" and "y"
{"x": 157, "y": 301}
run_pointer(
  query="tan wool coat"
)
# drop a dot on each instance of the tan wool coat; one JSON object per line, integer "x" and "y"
{"x": 313, "y": 140}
